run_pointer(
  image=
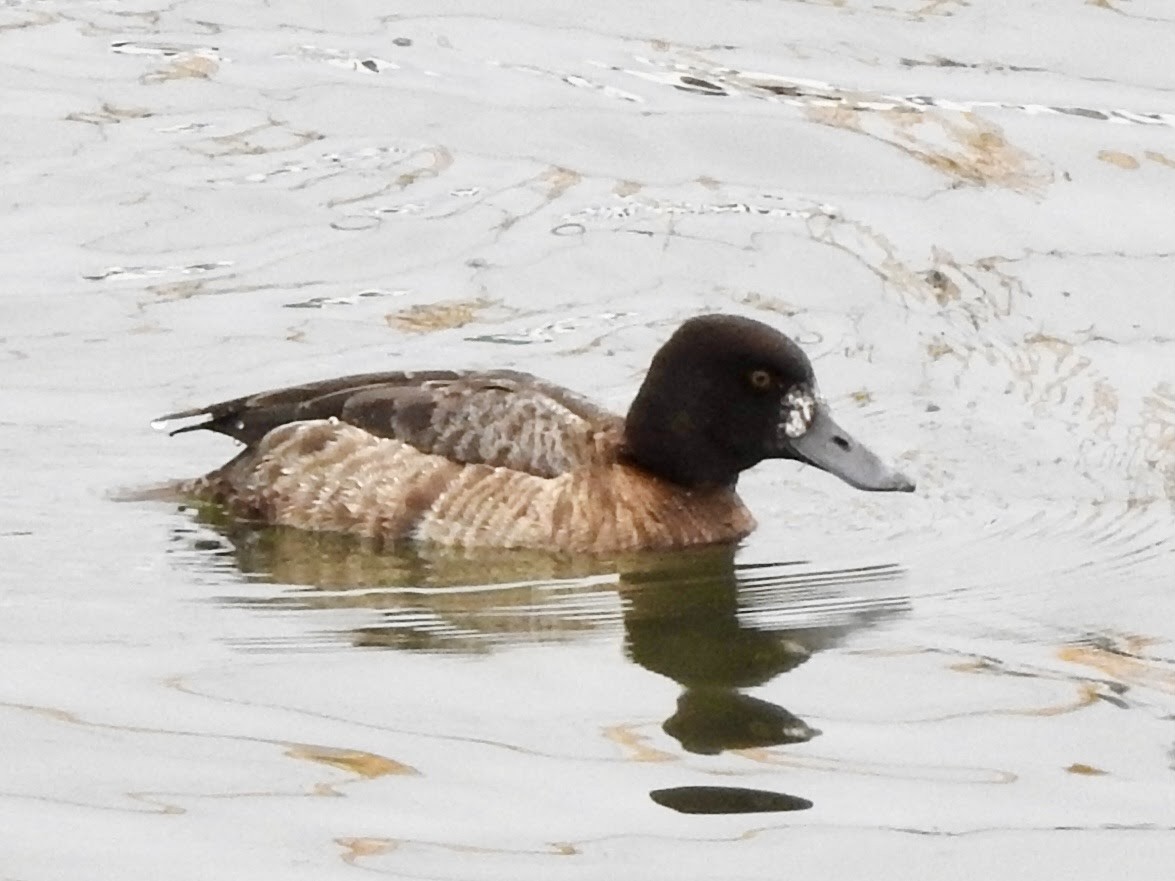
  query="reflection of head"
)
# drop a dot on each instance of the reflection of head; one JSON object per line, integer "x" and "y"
{"x": 709, "y": 721}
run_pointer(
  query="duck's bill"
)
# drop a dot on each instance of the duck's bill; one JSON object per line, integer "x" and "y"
{"x": 830, "y": 448}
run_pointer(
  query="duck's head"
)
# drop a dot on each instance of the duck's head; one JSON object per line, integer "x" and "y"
{"x": 726, "y": 392}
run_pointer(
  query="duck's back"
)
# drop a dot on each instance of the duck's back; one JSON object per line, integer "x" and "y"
{"x": 498, "y": 459}
{"x": 502, "y": 417}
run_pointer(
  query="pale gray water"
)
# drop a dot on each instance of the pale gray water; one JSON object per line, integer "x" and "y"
{"x": 962, "y": 211}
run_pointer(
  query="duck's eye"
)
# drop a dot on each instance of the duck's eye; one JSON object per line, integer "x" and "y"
{"x": 760, "y": 380}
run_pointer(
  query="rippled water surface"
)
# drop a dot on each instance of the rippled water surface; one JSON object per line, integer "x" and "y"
{"x": 963, "y": 211}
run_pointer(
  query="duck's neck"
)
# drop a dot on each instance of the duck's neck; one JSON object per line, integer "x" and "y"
{"x": 666, "y": 434}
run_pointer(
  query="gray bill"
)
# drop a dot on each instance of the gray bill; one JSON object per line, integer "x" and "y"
{"x": 830, "y": 448}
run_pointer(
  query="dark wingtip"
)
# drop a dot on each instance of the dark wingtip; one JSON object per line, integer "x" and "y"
{"x": 183, "y": 414}
{"x": 161, "y": 424}
{"x": 186, "y": 428}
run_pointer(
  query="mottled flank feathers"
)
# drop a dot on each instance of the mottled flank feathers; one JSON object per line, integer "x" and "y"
{"x": 331, "y": 476}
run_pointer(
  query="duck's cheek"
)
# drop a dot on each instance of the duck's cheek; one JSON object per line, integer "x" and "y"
{"x": 797, "y": 409}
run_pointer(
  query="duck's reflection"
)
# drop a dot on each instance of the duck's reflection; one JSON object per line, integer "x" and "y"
{"x": 715, "y": 628}
{"x": 696, "y": 617}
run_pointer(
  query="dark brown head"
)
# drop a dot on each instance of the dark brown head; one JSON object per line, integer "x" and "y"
{"x": 726, "y": 392}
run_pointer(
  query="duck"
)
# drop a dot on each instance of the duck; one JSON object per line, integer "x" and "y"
{"x": 502, "y": 459}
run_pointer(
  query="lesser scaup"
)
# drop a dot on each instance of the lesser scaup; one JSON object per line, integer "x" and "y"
{"x": 503, "y": 459}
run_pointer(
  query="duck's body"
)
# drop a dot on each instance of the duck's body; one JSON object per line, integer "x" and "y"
{"x": 502, "y": 459}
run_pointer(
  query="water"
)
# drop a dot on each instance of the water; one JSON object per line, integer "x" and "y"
{"x": 967, "y": 225}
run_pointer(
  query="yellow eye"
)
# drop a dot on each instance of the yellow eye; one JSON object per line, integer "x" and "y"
{"x": 760, "y": 380}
